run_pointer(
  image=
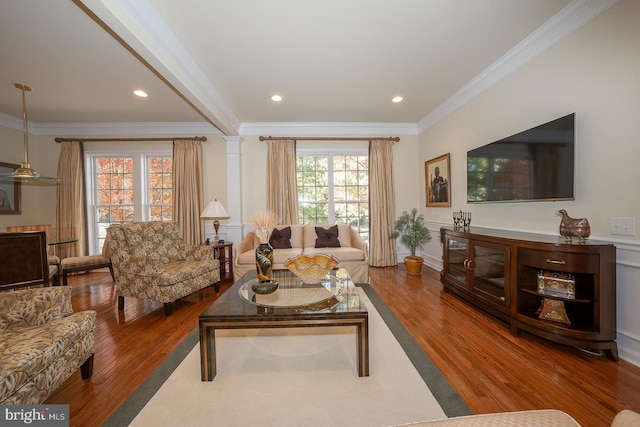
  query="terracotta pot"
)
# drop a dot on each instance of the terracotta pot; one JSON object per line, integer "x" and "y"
{"x": 413, "y": 264}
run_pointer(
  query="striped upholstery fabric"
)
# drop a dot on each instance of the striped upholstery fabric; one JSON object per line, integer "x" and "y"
{"x": 86, "y": 263}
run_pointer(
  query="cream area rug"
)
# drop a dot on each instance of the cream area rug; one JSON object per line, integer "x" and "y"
{"x": 298, "y": 377}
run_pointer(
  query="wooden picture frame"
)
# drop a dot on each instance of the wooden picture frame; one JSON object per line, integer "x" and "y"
{"x": 438, "y": 181}
{"x": 10, "y": 201}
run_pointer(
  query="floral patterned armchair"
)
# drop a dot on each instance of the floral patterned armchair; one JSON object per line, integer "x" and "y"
{"x": 150, "y": 261}
{"x": 42, "y": 343}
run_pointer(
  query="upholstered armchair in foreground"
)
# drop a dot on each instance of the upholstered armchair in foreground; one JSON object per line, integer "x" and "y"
{"x": 150, "y": 261}
{"x": 42, "y": 343}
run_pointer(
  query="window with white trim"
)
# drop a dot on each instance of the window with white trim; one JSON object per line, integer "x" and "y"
{"x": 333, "y": 188}
{"x": 126, "y": 188}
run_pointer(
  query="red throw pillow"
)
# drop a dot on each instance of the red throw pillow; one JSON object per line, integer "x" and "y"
{"x": 327, "y": 238}
{"x": 280, "y": 239}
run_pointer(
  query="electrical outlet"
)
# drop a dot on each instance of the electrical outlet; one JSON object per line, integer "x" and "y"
{"x": 622, "y": 226}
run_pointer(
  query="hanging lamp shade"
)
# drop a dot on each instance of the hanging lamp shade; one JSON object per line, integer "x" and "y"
{"x": 25, "y": 173}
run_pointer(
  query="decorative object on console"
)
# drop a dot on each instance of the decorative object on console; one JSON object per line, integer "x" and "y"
{"x": 555, "y": 284}
{"x": 573, "y": 227}
{"x": 311, "y": 269}
{"x": 25, "y": 173}
{"x": 461, "y": 220}
{"x": 437, "y": 177}
{"x": 413, "y": 234}
{"x": 554, "y": 310}
{"x": 216, "y": 212}
{"x": 263, "y": 225}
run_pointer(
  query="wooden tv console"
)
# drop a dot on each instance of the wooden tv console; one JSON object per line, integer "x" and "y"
{"x": 500, "y": 272}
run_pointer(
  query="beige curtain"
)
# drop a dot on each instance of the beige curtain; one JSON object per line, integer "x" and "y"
{"x": 382, "y": 201}
{"x": 282, "y": 188}
{"x": 71, "y": 216}
{"x": 188, "y": 194}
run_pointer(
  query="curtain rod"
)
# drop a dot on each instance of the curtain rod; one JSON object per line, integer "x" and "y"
{"x": 316, "y": 138}
{"x": 188, "y": 138}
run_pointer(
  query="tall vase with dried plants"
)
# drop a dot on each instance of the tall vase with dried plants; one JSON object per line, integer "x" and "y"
{"x": 263, "y": 225}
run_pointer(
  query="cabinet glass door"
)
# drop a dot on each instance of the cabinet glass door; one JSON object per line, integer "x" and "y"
{"x": 488, "y": 268}
{"x": 457, "y": 249}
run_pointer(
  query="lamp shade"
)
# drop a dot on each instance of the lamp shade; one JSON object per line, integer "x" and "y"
{"x": 25, "y": 174}
{"x": 214, "y": 210}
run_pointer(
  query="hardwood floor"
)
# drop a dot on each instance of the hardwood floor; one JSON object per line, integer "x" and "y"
{"x": 491, "y": 369}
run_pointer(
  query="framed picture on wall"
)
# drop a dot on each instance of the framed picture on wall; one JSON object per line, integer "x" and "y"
{"x": 9, "y": 192}
{"x": 438, "y": 181}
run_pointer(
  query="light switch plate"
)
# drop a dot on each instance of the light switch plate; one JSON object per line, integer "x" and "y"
{"x": 622, "y": 226}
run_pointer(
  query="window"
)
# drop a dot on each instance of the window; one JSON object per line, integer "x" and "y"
{"x": 160, "y": 183}
{"x": 334, "y": 189}
{"x": 126, "y": 188}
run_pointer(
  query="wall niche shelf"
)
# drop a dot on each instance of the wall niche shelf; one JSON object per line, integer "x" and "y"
{"x": 499, "y": 271}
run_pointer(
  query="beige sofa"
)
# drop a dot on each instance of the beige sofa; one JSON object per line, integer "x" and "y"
{"x": 42, "y": 343}
{"x": 352, "y": 252}
{"x": 544, "y": 417}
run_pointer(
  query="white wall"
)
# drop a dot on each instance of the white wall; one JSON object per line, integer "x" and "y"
{"x": 593, "y": 73}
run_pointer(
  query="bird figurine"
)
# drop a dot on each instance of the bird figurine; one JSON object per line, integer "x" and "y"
{"x": 573, "y": 227}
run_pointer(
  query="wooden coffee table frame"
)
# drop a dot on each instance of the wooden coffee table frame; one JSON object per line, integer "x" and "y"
{"x": 255, "y": 317}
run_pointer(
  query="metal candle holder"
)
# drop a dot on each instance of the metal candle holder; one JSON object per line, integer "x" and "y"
{"x": 461, "y": 220}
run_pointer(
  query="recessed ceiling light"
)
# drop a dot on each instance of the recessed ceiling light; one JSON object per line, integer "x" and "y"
{"x": 396, "y": 99}
{"x": 276, "y": 98}
{"x": 140, "y": 93}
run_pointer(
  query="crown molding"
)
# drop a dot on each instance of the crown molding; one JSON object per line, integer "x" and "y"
{"x": 12, "y": 122}
{"x": 109, "y": 129}
{"x": 97, "y": 129}
{"x": 575, "y": 15}
{"x": 327, "y": 128}
{"x": 171, "y": 128}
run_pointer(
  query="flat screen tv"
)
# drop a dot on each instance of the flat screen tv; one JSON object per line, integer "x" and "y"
{"x": 534, "y": 165}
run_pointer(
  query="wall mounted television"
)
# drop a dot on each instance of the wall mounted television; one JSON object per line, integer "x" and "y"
{"x": 534, "y": 165}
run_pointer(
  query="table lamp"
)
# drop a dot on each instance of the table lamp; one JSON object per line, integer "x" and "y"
{"x": 215, "y": 211}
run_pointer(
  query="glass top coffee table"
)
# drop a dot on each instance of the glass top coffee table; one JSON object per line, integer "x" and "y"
{"x": 332, "y": 302}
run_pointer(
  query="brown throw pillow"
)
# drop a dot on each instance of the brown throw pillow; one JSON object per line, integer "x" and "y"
{"x": 280, "y": 239}
{"x": 327, "y": 238}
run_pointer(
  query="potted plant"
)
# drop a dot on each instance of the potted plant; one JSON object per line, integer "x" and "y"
{"x": 413, "y": 234}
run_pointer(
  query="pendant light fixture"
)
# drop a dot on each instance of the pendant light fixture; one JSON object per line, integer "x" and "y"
{"x": 24, "y": 173}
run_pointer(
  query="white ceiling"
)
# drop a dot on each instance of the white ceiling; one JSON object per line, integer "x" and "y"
{"x": 219, "y": 61}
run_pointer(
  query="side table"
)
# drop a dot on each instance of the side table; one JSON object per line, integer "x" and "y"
{"x": 224, "y": 253}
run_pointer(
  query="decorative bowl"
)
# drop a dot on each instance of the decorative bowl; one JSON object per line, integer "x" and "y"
{"x": 311, "y": 269}
{"x": 264, "y": 287}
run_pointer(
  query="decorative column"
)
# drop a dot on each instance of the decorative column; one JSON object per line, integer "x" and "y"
{"x": 234, "y": 190}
